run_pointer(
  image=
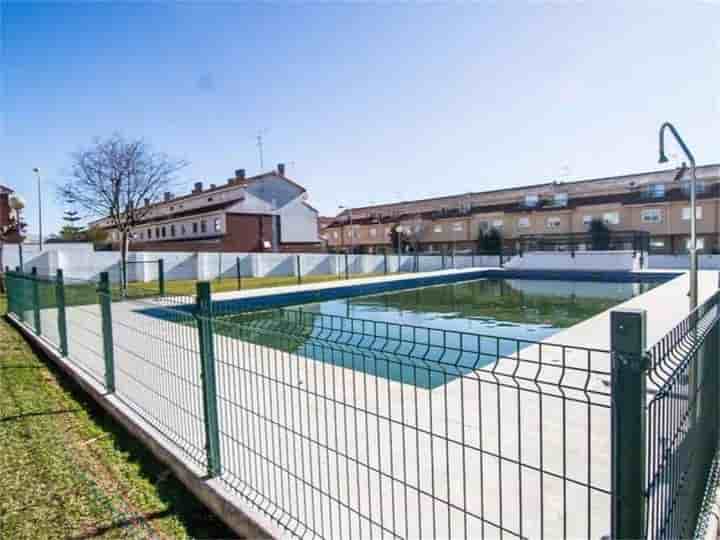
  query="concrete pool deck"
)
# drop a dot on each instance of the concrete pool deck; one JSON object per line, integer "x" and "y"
{"x": 353, "y": 455}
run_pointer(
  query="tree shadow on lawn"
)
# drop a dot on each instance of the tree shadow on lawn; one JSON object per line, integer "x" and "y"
{"x": 197, "y": 519}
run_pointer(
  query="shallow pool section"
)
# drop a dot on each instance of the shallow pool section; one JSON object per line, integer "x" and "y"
{"x": 430, "y": 335}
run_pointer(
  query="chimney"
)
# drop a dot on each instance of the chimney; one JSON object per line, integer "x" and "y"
{"x": 281, "y": 169}
{"x": 147, "y": 201}
{"x": 212, "y": 186}
{"x": 167, "y": 196}
{"x": 240, "y": 174}
{"x": 198, "y": 187}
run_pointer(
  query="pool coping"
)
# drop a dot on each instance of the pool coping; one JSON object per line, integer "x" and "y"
{"x": 294, "y": 295}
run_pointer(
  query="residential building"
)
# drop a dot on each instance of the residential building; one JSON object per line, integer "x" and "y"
{"x": 655, "y": 202}
{"x": 267, "y": 212}
{"x": 5, "y": 212}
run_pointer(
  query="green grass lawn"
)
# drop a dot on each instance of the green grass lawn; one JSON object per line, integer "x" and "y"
{"x": 85, "y": 292}
{"x": 183, "y": 287}
{"x": 68, "y": 471}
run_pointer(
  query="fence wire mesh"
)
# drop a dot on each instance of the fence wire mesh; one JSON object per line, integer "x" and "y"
{"x": 682, "y": 422}
{"x": 340, "y": 428}
{"x": 356, "y": 431}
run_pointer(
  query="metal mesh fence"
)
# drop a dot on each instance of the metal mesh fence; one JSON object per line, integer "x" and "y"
{"x": 157, "y": 371}
{"x": 341, "y": 428}
{"x": 682, "y": 420}
{"x": 338, "y": 434}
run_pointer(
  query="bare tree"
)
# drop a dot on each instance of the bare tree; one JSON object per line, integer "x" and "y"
{"x": 113, "y": 178}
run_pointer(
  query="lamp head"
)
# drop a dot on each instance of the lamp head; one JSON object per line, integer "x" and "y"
{"x": 16, "y": 202}
{"x": 36, "y": 170}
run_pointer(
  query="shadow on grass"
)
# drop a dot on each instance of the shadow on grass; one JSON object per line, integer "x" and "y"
{"x": 198, "y": 520}
{"x": 39, "y": 413}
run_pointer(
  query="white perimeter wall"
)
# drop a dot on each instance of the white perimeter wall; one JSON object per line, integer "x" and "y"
{"x": 583, "y": 260}
{"x": 79, "y": 261}
{"x": 682, "y": 262}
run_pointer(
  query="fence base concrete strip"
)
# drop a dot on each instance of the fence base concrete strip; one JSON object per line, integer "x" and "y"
{"x": 231, "y": 509}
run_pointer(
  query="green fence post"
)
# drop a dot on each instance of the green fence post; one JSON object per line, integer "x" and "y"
{"x": 105, "y": 298}
{"x": 385, "y": 260}
{"x": 207, "y": 373}
{"x": 629, "y": 364}
{"x": 299, "y": 270}
{"x": 161, "y": 276}
{"x": 36, "y": 300}
{"x": 62, "y": 315}
{"x": 347, "y": 269}
{"x": 21, "y": 294}
{"x": 239, "y": 273}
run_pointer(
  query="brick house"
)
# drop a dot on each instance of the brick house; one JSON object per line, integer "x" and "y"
{"x": 267, "y": 212}
{"x": 5, "y": 193}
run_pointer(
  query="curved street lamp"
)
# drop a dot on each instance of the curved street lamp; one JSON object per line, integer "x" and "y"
{"x": 693, "y": 225}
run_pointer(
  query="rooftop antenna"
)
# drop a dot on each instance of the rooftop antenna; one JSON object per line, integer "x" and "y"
{"x": 259, "y": 143}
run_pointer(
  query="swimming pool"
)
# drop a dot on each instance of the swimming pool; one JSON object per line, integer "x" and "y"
{"x": 428, "y": 336}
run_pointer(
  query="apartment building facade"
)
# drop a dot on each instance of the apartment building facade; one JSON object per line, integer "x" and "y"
{"x": 655, "y": 203}
{"x": 267, "y": 212}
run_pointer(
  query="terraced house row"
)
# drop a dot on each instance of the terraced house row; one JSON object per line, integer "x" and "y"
{"x": 655, "y": 203}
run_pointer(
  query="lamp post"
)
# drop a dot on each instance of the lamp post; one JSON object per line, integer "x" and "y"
{"x": 693, "y": 229}
{"x": 39, "y": 189}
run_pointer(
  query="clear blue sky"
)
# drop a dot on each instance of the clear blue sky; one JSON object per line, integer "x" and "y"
{"x": 368, "y": 103}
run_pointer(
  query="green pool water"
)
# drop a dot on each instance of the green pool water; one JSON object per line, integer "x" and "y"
{"x": 430, "y": 335}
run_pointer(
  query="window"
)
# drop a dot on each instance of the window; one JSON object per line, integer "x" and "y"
{"x": 183, "y": 230}
{"x": 157, "y": 232}
{"x": 373, "y": 232}
{"x": 457, "y": 227}
{"x": 699, "y": 186}
{"x": 611, "y": 218}
{"x": 523, "y": 223}
{"x": 210, "y": 199}
{"x": 417, "y": 227}
{"x": 141, "y": 235}
{"x": 335, "y": 234}
{"x": 531, "y": 200}
{"x": 387, "y": 231}
{"x": 203, "y": 226}
{"x": 560, "y": 199}
{"x": 164, "y": 231}
{"x": 587, "y": 220}
{"x": 497, "y": 223}
{"x": 655, "y": 191}
{"x": 652, "y": 215}
{"x": 553, "y": 222}
{"x": 657, "y": 243}
{"x": 437, "y": 228}
{"x": 699, "y": 243}
{"x": 216, "y": 224}
{"x": 348, "y": 233}
{"x": 484, "y": 225}
{"x": 149, "y": 234}
{"x": 172, "y": 230}
{"x": 195, "y": 228}
{"x": 686, "y": 213}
